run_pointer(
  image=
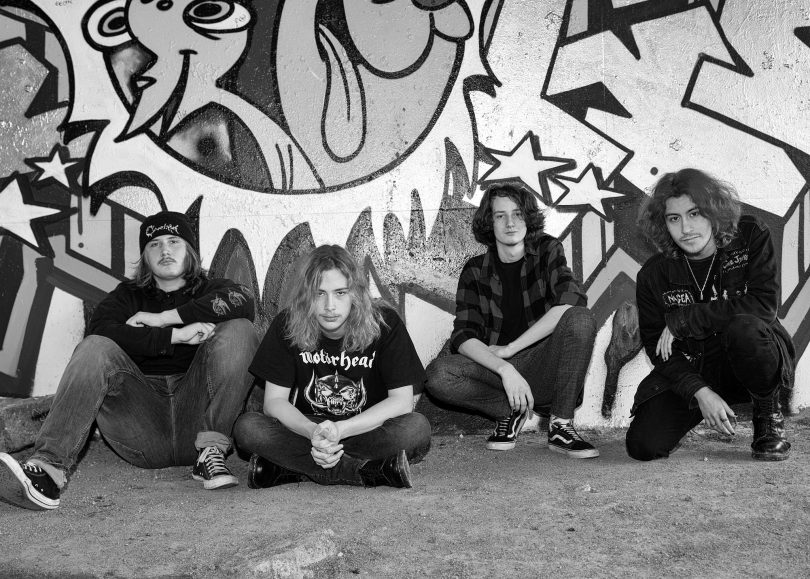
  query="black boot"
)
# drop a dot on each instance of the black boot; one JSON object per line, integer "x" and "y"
{"x": 393, "y": 471}
{"x": 264, "y": 474}
{"x": 770, "y": 442}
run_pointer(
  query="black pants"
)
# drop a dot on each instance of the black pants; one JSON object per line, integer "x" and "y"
{"x": 743, "y": 361}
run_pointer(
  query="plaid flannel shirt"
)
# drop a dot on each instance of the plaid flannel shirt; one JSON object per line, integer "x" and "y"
{"x": 546, "y": 281}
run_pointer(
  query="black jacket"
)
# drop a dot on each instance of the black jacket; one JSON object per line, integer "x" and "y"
{"x": 747, "y": 280}
{"x": 216, "y": 300}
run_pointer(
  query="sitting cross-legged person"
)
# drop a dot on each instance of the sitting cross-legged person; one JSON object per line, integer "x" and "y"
{"x": 340, "y": 374}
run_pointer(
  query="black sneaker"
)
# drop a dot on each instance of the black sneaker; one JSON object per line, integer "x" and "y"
{"x": 563, "y": 438}
{"x": 26, "y": 485}
{"x": 506, "y": 431}
{"x": 210, "y": 469}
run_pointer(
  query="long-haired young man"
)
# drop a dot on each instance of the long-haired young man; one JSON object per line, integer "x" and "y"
{"x": 340, "y": 374}
{"x": 162, "y": 373}
{"x": 522, "y": 336}
{"x": 707, "y": 307}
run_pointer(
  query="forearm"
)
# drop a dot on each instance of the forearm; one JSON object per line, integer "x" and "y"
{"x": 290, "y": 417}
{"x": 374, "y": 416}
{"x": 478, "y": 352}
{"x": 170, "y": 318}
{"x": 542, "y": 328}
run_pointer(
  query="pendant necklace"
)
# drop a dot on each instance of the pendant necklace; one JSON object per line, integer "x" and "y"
{"x": 708, "y": 274}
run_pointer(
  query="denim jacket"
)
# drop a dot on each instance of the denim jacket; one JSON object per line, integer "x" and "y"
{"x": 747, "y": 283}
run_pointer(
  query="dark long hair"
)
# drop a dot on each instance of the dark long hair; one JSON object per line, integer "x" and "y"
{"x": 717, "y": 201}
{"x": 365, "y": 317}
{"x": 194, "y": 274}
{"x": 482, "y": 220}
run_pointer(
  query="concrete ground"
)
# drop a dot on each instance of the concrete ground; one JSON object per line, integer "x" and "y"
{"x": 708, "y": 511}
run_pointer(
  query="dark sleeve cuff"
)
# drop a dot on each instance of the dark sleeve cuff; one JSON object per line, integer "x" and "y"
{"x": 572, "y": 299}
{"x": 459, "y": 338}
{"x": 186, "y": 313}
{"x": 676, "y": 322}
{"x": 165, "y": 346}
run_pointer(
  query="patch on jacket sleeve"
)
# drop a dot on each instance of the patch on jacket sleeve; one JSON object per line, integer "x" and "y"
{"x": 678, "y": 298}
{"x": 736, "y": 259}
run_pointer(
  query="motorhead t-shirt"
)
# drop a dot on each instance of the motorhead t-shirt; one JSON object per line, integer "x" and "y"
{"x": 329, "y": 381}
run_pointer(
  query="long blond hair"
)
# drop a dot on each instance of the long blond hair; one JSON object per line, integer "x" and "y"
{"x": 363, "y": 325}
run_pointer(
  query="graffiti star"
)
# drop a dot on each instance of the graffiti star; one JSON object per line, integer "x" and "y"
{"x": 527, "y": 163}
{"x": 587, "y": 190}
{"x": 54, "y": 167}
{"x": 18, "y": 214}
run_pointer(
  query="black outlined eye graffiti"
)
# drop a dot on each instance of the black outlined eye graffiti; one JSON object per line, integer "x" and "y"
{"x": 216, "y": 16}
{"x": 105, "y": 25}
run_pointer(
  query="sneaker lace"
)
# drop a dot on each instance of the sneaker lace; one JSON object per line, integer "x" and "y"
{"x": 214, "y": 461}
{"x": 568, "y": 428}
{"x": 32, "y": 468}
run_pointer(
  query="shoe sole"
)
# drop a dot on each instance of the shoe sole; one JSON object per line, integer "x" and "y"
{"x": 500, "y": 445}
{"x": 252, "y": 472}
{"x": 220, "y": 482}
{"x": 404, "y": 468}
{"x": 16, "y": 488}
{"x": 591, "y": 453}
{"x": 769, "y": 457}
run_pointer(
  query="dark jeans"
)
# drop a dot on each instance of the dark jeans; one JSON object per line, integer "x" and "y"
{"x": 150, "y": 421}
{"x": 555, "y": 369}
{"x": 747, "y": 364}
{"x": 270, "y": 439}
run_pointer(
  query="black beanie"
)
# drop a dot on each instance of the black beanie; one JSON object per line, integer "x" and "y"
{"x": 167, "y": 223}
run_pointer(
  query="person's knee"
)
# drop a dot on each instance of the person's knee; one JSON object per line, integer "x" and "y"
{"x": 238, "y": 331}
{"x": 641, "y": 445}
{"x": 578, "y": 321}
{"x": 419, "y": 425}
{"x": 245, "y": 428}
{"x": 744, "y": 332}
{"x": 97, "y": 348}
{"x": 439, "y": 378}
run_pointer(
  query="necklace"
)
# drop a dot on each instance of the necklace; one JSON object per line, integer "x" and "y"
{"x": 708, "y": 273}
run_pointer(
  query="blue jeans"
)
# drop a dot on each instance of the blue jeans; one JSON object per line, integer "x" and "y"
{"x": 270, "y": 439}
{"x": 555, "y": 369}
{"x": 150, "y": 421}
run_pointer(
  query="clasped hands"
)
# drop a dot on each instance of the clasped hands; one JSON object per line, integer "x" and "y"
{"x": 326, "y": 448}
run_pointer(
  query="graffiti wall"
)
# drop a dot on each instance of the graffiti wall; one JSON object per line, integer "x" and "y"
{"x": 278, "y": 125}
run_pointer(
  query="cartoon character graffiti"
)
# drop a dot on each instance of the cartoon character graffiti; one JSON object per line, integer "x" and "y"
{"x": 333, "y": 104}
{"x": 373, "y": 101}
{"x": 335, "y": 395}
{"x": 181, "y": 73}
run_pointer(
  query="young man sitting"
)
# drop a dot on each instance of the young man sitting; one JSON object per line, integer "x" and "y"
{"x": 340, "y": 373}
{"x": 162, "y": 373}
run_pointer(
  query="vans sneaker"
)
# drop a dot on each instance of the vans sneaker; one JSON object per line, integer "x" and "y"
{"x": 563, "y": 438}
{"x": 506, "y": 431}
{"x": 26, "y": 485}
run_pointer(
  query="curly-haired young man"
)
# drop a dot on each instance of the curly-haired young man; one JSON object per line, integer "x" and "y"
{"x": 522, "y": 336}
{"x": 340, "y": 373}
{"x": 707, "y": 313}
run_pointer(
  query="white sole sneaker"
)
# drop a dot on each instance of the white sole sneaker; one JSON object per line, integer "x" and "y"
{"x": 16, "y": 487}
